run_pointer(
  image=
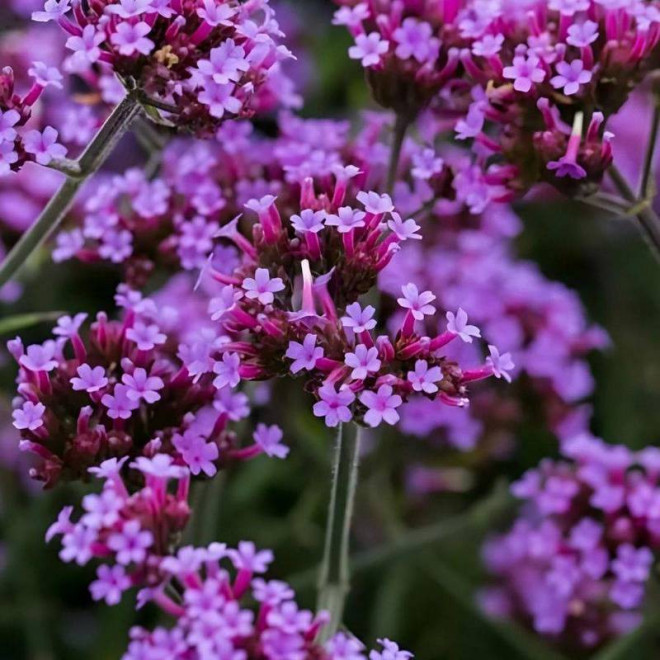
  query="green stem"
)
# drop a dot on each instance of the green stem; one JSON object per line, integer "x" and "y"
{"x": 78, "y": 172}
{"x": 646, "y": 182}
{"x": 400, "y": 129}
{"x": 413, "y": 541}
{"x": 335, "y": 574}
{"x": 648, "y": 221}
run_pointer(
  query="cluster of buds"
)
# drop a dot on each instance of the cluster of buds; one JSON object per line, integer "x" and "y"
{"x": 577, "y": 562}
{"x": 552, "y": 70}
{"x": 130, "y": 526}
{"x": 131, "y": 390}
{"x": 200, "y": 62}
{"x": 291, "y": 307}
{"x": 215, "y": 617}
{"x": 410, "y": 50}
{"x": 18, "y": 145}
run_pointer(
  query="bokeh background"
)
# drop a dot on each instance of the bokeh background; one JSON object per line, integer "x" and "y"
{"x": 425, "y": 598}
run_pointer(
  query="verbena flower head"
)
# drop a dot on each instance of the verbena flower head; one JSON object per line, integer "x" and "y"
{"x": 207, "y": 59}
{"x": 292, "y": 305}
{"x": 130, "y": 526}
{"x": 556, "y": 71}
{"x": 410, "y": 50}
{"x": 227, "y": 608}
{"x": 127, "y": 390}
{"x": 21, "y": 143}
{"x": 577, "y": 562}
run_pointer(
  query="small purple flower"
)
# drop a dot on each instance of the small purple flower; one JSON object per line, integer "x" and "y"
{"x": 358, "y": 319}
{"x": 346, "y": 219}
{"x": 334, "y": 405}
{"x": 247, "y": 558}
{"x": 53, "y": 11}
{"x": 131, "y": 38}
{"x": 143, "y": 386}
{"x": 375, "y": 203}
{"x": 8, "y": 119}
{"x": 308, "y": 220}
{"x": 269, "y": 438}
{"x": 160, "y": 466}
{"x": 381, "y": 406}
{"x": 219, "y": 98}
{"x": 116, "y": 245}
{"x": 415, "y": 39}
{"x": 632, "y": 564}
{"x": 77, "y": 545}
{"x": 344, "y": 647}
{"x": 582, "y": 35}
{"x": 227, "y": 371}
{"x": 45, "y": 75}
{"x": 424, "y": 379}
{"x": 8, "y": 156}
{"x": 198, "y": 454}
{"x": 488, "y": 46}
{"x": 426, "y": 164}
{"x": 131, "y": 544}
{"x": 418, "y": 304}
{"x": 363, "y": 361}
{"x": 89, "y": 379}
{"x": 119, "y": 405}
{"x": 130, "y": 8}
{"x": 147, "y": 337}
{"x": 224, "y": 303}
{"x": 369, "y": 49}
{"x": 500, "y": 364}
{"x": 110, "y": 584}
{"x": 404, "y": 229}
{"x": 391, "y": 651}
{"x": 525, "y": 71}
{"x": 305, "y": 355}
{"x": 85, "y": 47}
{"x": 570, "y": 76}
{"x": 262, "y": 286}
{"x": 68, "y": 326}
{"x": 43, "y": 146}
{"x": 458, "y": 325}
{"x": 272, "y": 592}
{"x": 67, "y": 243}
{"x": 226, "y": 63}
{"x": 29, "y": 416}
{"x": 39, "y": 357}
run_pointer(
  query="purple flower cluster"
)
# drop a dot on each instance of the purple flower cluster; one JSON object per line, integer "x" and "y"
{"x": 215, "y": 618}
{"x": 20, "y": 144}
{"x": 577, "y": 562}
{"x": 557, "y": 70}
{"x": 469, "y": 264}
{"x": 207, "y": 59}
{"x": 410, "y": 51}
{"x": 128, "y": 390}
{"x": 291, "y": 306}
{"x": 129, "y": 526}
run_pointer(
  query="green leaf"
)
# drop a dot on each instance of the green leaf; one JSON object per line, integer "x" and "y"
{"x": 21, "y": 321}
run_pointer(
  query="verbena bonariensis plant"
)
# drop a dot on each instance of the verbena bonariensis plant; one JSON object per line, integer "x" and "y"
{"x": 577, "y": 562}
{"x": 127, "y": 390}
{"x": 294, "y": 231}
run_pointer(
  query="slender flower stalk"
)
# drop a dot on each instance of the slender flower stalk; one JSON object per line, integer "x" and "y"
{"x": 334, "y": 580}
{"x": 646, "y": 185}
{"x": 647, "y": 219}
{"x": 93, "y": 157}
{"x": 400, "y": 129}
